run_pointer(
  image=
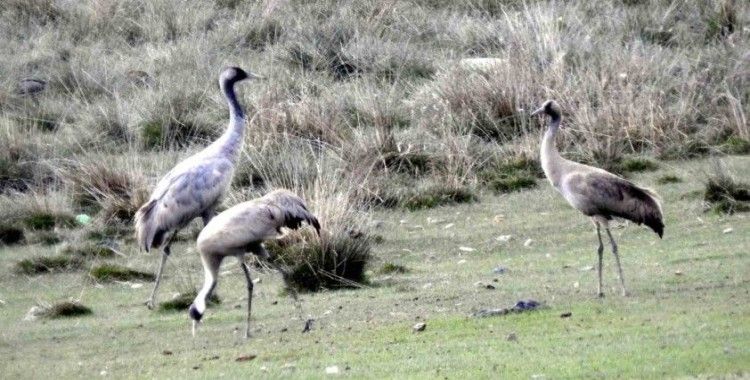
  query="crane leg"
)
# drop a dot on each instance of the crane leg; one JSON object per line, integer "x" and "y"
{"x": 152, "y": 299}
{"x": 600, "y": 252}
{"x": 617, "y": 261}
{"x": 246, "y": 269}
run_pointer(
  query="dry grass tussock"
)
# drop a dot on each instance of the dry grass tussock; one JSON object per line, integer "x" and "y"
{"x": 338, "y": 257}
{"x": 364, "y": 103}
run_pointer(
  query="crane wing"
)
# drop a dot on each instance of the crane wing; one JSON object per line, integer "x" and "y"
{"x": 181, "y": 196}
{"x": 609, "y": 195}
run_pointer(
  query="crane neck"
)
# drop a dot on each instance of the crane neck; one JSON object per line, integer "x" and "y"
{"x": 233, "y": 137}
{"x": 550, "y": 156}
{"x": 209, "y": 283}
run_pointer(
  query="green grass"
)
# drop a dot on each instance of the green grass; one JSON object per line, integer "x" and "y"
{"x": 696, "y": 324}
{"x": 114, "y": 272}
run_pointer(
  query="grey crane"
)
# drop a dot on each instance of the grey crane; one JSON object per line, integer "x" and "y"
{"x": 243, "y": 228}
{"x": 196, "y": 185}
{"x": 597, "y": 193}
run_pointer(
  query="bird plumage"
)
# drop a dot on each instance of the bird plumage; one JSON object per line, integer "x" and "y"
{"x": 243, "y": 228}
{"x": 596, "y": 193}
{"x": 195, "y": 186}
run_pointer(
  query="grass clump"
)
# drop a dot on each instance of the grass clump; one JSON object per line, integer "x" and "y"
{"x": 66, "y": 309}
{"x": 113, "y": 272}
{"x": 183, "y": 300}
{"x": 506, "y": 183}
{"x": 725, "y": 195}
{"x": 637, "y": 164}
{"x": 736, "y": 145}
{"x": 389, "y": 268}
{"x": 88, "y": 250}
{"x": 43, "y": 220}
{"x": 511, "y": 175}
{"x": 48, "y": 264}
{"x": 11, "y": 233}
{"x": 45, "y": 237}
{"x": 668, "y": 178}
{"x": 437, "y": 195}
{"x": 337, "y": 262}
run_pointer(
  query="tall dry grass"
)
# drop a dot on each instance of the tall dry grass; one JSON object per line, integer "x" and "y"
{"x": 367, "y": 97}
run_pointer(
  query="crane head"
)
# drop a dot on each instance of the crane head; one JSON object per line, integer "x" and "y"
{"x": 549, "y": 108}
{"x": 233, "y": 74}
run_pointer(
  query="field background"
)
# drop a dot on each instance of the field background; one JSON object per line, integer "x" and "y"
{"x": 371, "y": 111}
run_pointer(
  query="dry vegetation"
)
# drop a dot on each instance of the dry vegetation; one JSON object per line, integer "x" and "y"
{"x": 365, "y": 102}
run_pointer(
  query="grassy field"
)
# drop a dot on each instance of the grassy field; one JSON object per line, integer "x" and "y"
{"x": 412, "y": 155}
{"x": 687, "y": 314}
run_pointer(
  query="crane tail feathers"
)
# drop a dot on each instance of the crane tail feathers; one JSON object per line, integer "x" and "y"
{"x": 646, "y": 208}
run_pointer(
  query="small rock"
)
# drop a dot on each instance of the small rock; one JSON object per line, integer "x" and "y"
{"x": 576, "y": 285}
{"x": 166, "y": 352}
{"x": 427, "y": 285}
{"x": 587, "y": 268}
{"x": 102, "y": 373}
{"x": 246, "y": 358}
{"x": 483, "y": 313}
{"x": 136, "y": 286}
{"x": 526, "y": 305}
{"x": 500, "y": 270}
{"x": 566, "y": 314}
{"x": 449, "y": 225}
{"x": 332, "y": 370}
{"x": 30, "y": 86}
{"x": 728, "y": 230}
{"x": 512, "y": 337}
{"x": 462, "y": 261}
{"x": 504, "y": 238}
{"x": 466, "y": 249}
{"x": 498, "y": 219}
{"x": 257, "y": 281}
{"x": 34, "y": 313}
{"x": 678, "y": 273}
{"x": 528, "y": 243}
{"x": 489, "y": 286}
{"x": 419, "y": 327}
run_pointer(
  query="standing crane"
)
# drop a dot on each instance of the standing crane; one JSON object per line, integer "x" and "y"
{"x": 194, "y": 187}
{"x": 241, "y": 229}
{"x": 597, "y": 193}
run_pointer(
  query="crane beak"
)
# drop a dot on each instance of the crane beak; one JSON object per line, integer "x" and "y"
{"x": 540, "y": 110}
{"x": 251, "y": 75}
